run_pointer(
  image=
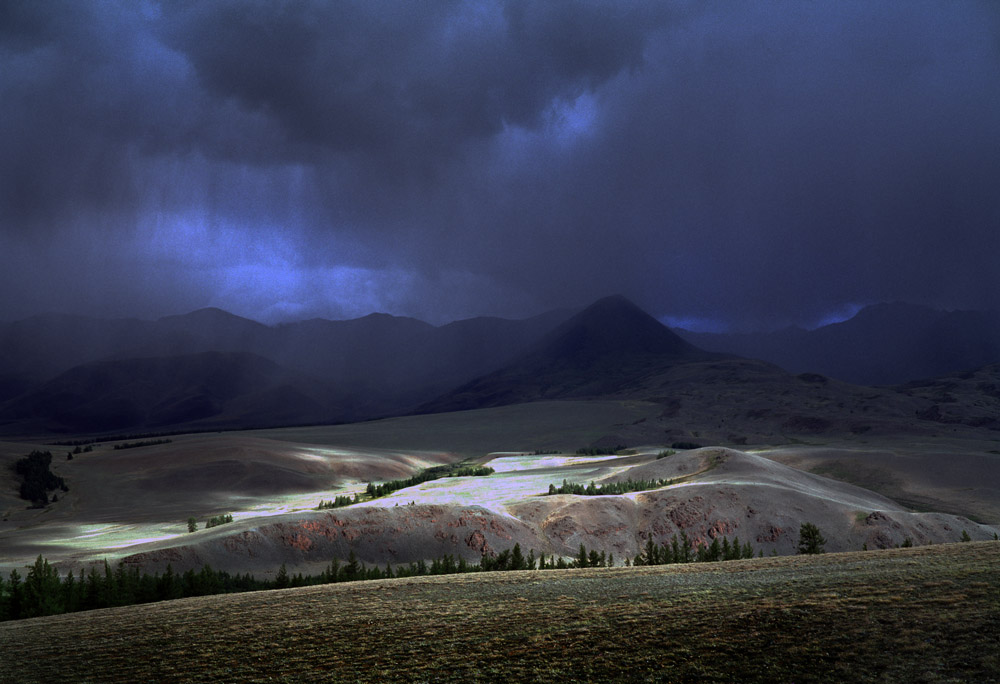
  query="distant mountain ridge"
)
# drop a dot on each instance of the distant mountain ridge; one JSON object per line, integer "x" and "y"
{"x": 335, "y": 371}
{"x": 210, "y": 369}
{"x": 600, "y": 350}
{"x": 883, "y": 344}
{"x": 202, "y": 390}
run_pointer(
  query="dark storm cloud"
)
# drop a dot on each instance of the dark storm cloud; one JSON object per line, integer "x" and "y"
{"x": 404, "y": 78}
{"x": 756, "y": 163}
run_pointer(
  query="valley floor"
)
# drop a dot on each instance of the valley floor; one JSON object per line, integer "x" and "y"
{"x": 928, "y": 614}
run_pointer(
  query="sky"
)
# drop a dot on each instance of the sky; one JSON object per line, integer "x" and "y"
{"x": 740, "y": 165}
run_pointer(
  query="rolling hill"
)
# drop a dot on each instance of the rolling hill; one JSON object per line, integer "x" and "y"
{"x": 906, "y": 615}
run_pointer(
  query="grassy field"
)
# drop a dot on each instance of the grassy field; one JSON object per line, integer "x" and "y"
{"x": 929, "y": 614}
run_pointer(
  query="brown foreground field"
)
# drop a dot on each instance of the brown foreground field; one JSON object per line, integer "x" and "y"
{"x": 926, "y": 614}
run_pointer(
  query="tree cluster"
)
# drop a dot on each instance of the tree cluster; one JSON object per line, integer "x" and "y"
{"x": 44, "y": 592}
{"x": 471, "y": 471}
{"x": 135, "y": 445}
{"x": 601, "y": 451}
{"x": 683, "y": 550}
{"x": 386, "y": 488}
{"x": 340, "y": 501}
{"x": 379, "y": 490}
{"x": 622, "y": 487}
{"x": 36, "y": 478}
{"x": 217, "y": 520}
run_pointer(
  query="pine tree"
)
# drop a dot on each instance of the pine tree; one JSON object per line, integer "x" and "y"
{"x": 810, "y": 539}
{"x": 70, "y": 595}
{"x": 16, "y": 596}
{"x": 581, "y": 557}
{"x": 332, "y": 572}
{"x": 651, "y": 555}
{"x": 42, "y": 590}
{"x": 685, "y": 544}
{"x": 281, "y": 581}
{"x": 352, "y": 569}
{"x": 517, "y": 559}
{"x": 167, "y": 585}
{"x": 714, "y": 552}
{"x": 92, "y": 594}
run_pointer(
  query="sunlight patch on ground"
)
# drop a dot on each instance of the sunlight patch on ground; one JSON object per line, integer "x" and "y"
{"x": 519, "y": 477}
{"x": 323, "y": 454}
{"x": 504, "y": 463}
{"x": 141, "y": 540}
{"x": 98, "y": 538}
{"x": 245, "y": 508}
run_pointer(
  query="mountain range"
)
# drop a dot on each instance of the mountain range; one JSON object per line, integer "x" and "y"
{"x": 883, "y": 344}
{"x": 210, "y": 369}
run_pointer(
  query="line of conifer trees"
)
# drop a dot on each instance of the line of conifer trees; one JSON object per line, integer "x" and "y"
{"x": 217, "y": 520}
{"x": 339, "y": 502}
{"x": 143, "y": 443}
{"x": 601, "y": 451}
{"x": 681, "y": 550}
{"x": 374, "y": 491}
{"x": 622, "y": 487}
{"x": 378, "y": 490}
{"x": 44, "y": 592}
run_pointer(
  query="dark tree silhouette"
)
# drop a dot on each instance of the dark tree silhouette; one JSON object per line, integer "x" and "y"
{"x": 810, "y": 539}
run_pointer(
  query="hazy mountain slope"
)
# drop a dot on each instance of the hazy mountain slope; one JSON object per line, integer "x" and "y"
{"x": 602, "y": 349}
{"x": 40, "y": 347}
{"x": 211, "y": 388}
{"x": 382, "y": 365}
{"x": 883, "y": 344}
{"x": 363, "y": 368}
{"x": 740, "y": 401}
